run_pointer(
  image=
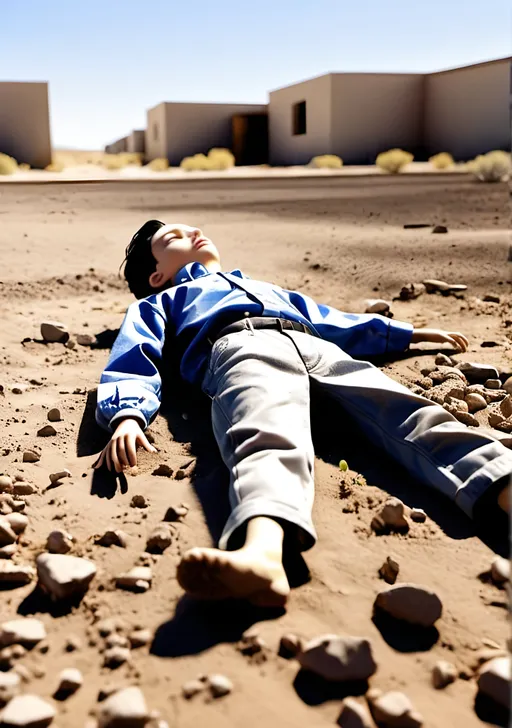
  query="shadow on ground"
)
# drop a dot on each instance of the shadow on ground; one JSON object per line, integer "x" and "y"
{"x": 314, "y": 690}
{"x": 197, "y": 626}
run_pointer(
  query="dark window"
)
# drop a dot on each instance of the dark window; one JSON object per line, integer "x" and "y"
{"x": 299, "y": 118}
{"x": 155, "y": 132}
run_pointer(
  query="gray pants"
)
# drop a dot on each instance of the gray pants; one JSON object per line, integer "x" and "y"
{"x": 259, "y": 383}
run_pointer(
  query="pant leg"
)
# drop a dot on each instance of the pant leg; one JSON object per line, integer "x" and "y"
{"x": 427, "y": 440}
{"x": 259, "y": 388}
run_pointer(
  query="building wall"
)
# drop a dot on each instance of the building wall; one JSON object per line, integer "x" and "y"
{"x": 117, "y": 147}
{"x": 184, "y": 129}
{"x": 285, "y": 148}
{"x": 374, "y": 112}
{"x": 135, "y": 142}
{"x": 25, "y": 123}
{"x": 155, "y": 135}
{"x": 467, "y": 109}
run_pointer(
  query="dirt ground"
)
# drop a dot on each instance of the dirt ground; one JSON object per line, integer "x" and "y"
{"x": 340, "y": 241}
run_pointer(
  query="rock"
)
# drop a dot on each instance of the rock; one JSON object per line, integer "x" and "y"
{"x": 505, "y": 425}
{"x": 466, "y": 418}
{"x": 138, "y": 501}
{"x": 493, "y": 383}
{"x": 7, "y": 552}
{"x": 140, "y": 638}
{"x": 494, "y": 680}
{"x": 5, "y": 484}
{"x": 9, "y": 686}
{"x": 411, "y": 603}
{"x": 16, "y": 573}
{"x": 440, "y": 229}
{"x": 70, "y": 344}
{"x": 354, "y": 715}
{"x": 290, "y": 645}
{"x": 477, "y": 373}
{"x": 163, "y": 470}
{"x": 113, "y": 538}
{"x": 176, "y": 513}
{"x": 54, "y": 332}
{"x": 55, "y": 478}
{"x": 389, "y": 570}
{"x": 506, "y": 406}
{"x": 491, "y": 298}
{"x": 22, "y": 488}
{"x": 219, "y": 685}
{"x": 392, "y": 516}
{"x": 126, "y": 708}
{"x": 475, "y": 402}
{"x": 495, "y": 419}
{"x": 73, "y": 643}
{"x": 160, "y": 538}
{"x": 110, "y": 625}
{"x": 26, "y": 631}
{"x": 70, "y": 680}
{"x": 415, "y": 225}
{"x": 47, "y": 431}
{"x": 59, "y": 542}
{"x": 7, "y": 534}
{"x": 27, "y": 711}
{"x": 64, "y": 576}
{"x": 460, "y": 405}
{"x": 507, "y": 385}
{"x": 191, "y": 688}
{"x": 339, "y": 658}
{"x": 418, "y": 515}
{"x": 137, "y": 579}
{"x": 117, "y": 640}
{"x": 116, "y": 656}
{"x": 54, "y": 415}
{"x": 395, "y": 709}
{"x": 411, "y": 291}
{"x": 443, "y": 360}
{"x": 500, "y": 570}
{"x": 376, "y": 305}
{"x": 85, "y": 339}
{"x": 31, "y": 456}
{"x": 252, "y": 645}
{"x": 443, "y": 674}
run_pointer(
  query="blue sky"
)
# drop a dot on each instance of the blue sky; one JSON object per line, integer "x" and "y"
{"x": 107, "y": 61}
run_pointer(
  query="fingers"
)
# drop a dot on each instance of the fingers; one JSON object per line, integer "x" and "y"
{"x": 142, "y": 440}
{"x": 99, "y": 462}
{"x": 121, "y": 452}
{"x": 461, "y": 340}
{"x": 131, "y": 450}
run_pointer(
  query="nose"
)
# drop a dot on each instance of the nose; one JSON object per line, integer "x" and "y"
{"x": 196, "y": 233}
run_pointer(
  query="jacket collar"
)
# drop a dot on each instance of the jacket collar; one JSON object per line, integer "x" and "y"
{"x": 192, "y": 271}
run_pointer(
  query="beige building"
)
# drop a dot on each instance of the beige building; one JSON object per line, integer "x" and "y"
{"x": 178, "y": 130}
{"x": 25, "y": 123}
{"x": 136, "y": 141}
{"x": 117, "y": 147}
{"x": 357, "y": 115}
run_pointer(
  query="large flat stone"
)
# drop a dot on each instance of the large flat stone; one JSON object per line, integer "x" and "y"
{"x": 64, "y": 576}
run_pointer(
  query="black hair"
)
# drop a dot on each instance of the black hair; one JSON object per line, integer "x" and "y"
{"x": 139, "y": 262}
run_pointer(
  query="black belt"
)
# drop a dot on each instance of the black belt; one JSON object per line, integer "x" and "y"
{"x": 261, "y": 322}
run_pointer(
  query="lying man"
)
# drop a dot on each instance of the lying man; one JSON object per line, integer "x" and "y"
{"x": 255, "y": 349}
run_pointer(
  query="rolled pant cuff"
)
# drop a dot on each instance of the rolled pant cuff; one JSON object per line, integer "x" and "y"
{"x": 254, "y": 508}
{"x": 482, "y": 480}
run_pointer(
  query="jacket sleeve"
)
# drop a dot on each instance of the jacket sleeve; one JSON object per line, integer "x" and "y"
{"x": 359, "y": 335}
{"x": 131, "y": 384}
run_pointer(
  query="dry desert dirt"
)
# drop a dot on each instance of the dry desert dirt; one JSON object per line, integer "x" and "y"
{"x": 340, "y": 241}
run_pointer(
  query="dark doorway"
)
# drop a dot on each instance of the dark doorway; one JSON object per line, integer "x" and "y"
{"x": 250, "y": 138}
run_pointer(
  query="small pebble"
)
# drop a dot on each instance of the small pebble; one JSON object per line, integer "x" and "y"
{"x": 494, "y": 680}
{"x": 54, "y": 332}
{"x": 140, "y": 638}
{"x": 5, "y": 484}
{"x": 54, "y": 415}
{"x": 64, "y": 576}
{"x": 339, "y": 658}
{"x": 125, "y": 708}
{"x": 59, "y": 542}
{"x": 219, "y": 685}
{"x": 163, "y": 470}
{"x": 26, "y": 631}
{"x": 290, "y": 645}
{"x": 137, "y": 579}
{"x": 17, "y": 521}
{"x": 116, "y": 656}
{"x": 160, "y": 539}
{"x": 191, "y": 688}
{"x": 9, "y": 686}
{"x": 85, "y": 339}
{"x": 73, "y": 643}
{"x": 391, "y": 516}
{"x": 500, "y": 570}
{"x": 28, "y": 711}
{"x": 47, "y": 431}
{"x": 395, "y": 709}
{"x": 443, "y": 674}
{"x": 493, "y": 384}
{"x": 57, "y": 477}
{"x": 113, "y": 538}
{"x": 139, "y": 501}
{"x": 354, "y": 715}
{"x": 412, "y": 603}
{"x": 475, "y": 402}
{"x": 418, "y": 515}
{"x": 31, "y": 456}
{"x": 70, "y": 680}
{"x": 176, "y": 513}
{"x": 389, "y": 570}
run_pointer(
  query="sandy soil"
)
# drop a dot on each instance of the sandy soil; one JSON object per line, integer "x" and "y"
{"x": 341, "y": 241}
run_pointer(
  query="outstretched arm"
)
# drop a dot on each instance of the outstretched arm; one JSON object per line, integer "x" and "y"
{"x": 130, "y": 386}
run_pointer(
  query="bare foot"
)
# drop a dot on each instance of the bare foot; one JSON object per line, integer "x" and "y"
{"x": 243, "y": 574}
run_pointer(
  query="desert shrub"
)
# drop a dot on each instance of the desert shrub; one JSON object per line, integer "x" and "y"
{"x": 326, "y": 161}
{"x": 394, "y": 160}
{"x": 220, "y": 158}
{"x": 55, "y": 166}
{"x": 113, "y": 161}
{"x": 131, "y": 158}
{"x": 443, "y": 160}
{"x": 495, "y": 166}
{"x": 8, "y": 165}
{"x": 160, "y": 164}
{"x": 24, "y": 167}
{"x": 197, "y": 163}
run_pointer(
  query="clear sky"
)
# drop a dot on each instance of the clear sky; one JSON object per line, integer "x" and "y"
{"x": 107, "y": 61}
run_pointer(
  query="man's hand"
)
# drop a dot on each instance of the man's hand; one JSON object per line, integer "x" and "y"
{"x": 437, "y": 336}
{"x": 121, "y": 451}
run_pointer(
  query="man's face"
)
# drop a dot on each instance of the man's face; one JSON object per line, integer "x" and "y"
{"x": 176, "y": 245}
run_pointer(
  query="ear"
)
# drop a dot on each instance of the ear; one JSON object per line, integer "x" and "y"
{"x": 157, "y": 279}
